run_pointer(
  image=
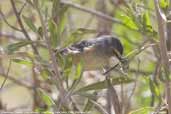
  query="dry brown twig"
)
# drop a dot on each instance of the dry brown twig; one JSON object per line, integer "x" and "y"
{"x": 5, "y": 20}
{"x": 90, "y": 11}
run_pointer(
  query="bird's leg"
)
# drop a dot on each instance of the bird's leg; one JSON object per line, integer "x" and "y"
{"x": 111, "y": 94}
{"x": 106, "y": 71}
{"x": 122, "y": 70}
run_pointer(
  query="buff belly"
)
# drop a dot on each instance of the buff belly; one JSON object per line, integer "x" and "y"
{"x": 91, "y": 61}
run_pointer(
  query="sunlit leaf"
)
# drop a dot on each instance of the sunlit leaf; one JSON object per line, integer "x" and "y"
{"x": 154, "y": 88}
{"x": 164, "y": 3}
{"x": 22, "y": 61}
{"x": 48, "y": 112}
{"x": 128, "y": 21}
{"x": 147, "y": 22}
{"x": 46, "y": 98}
{"x": 144, "y": 110}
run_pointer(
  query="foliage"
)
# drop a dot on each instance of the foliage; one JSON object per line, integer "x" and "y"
{"x": 55, "y": 82}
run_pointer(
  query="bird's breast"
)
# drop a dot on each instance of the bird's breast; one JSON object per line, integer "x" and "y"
{"x": 91, "y": 60}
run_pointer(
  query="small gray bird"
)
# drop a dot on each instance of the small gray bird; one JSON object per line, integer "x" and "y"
{"x": 95, "y": 53}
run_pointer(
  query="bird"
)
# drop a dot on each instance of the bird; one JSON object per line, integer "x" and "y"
{"x": 95, "y": 53}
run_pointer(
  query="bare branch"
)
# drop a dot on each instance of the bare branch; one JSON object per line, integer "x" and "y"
{"x": 16, "y": 81}
{"x": 22, "y": 27}
{"x": 93, "y": 12}
{"x": 5, "y": 20}
{"x": 56, "y": 75}
{"x": 22, "y": 8}
{"x": 9, "y": 67}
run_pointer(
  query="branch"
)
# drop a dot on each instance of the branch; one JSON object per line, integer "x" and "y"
{"x": 93, "y": 12}
{"x": 162, "y": 30}
{"x": 56, "y": 77}
{"x": 9, "y": 67}
{"x": 16, "y": 81}
{"x": 22, "y": 8}
{"x": 5, "y": 20}
{"x": 22, "y": 27}
{"x": 163, "y": 50}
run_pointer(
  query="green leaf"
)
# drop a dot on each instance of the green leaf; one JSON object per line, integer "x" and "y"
{"x": 22, "y": 61}
{"x": 59, "y": 10}
{"x": 48, "y": 112}
{"x": 79, "y": 70}
{"x": 147, "y": 26}
{"x": 29, "y": 23}
{"x": 62, "y": 24}
{"x": 67, "y": 65}
{"x": 103, "y": 84}
{"x": 45, "y": 73}
{"x": 129, "y": 22}
{"x": 154, "y": 88}
{"x": 53, "y": 33}
{"x": 15, "y": 46}
{"x": 144, "y": 110}
{"x": 46, "y": 98}
{"x": 164, "y": 3}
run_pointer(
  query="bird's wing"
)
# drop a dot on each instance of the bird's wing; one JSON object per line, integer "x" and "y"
{"x": 78, "y": 48}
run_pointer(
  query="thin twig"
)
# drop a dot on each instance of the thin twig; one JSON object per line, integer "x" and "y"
{"x": 106, "y": 72}
{"x": 9, "y": 67}
{"x": 23, "y": 6}
{"x": 93, "y": 12}
{"x": 114, "y": 99}
{"x": 99, "y": 107}
{"x": 5, "y": 20}
{"x": 56, "y": 75}
{"x": 133, "y": 89}
{"x": 35, "y": 84}
{"x": 22, "y": 27}
{"x": 140, "y": 72}
{"x": 16, "y": 81}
